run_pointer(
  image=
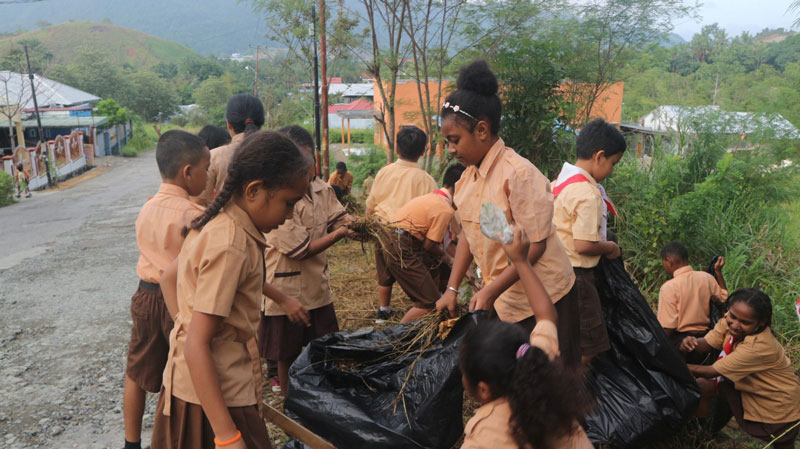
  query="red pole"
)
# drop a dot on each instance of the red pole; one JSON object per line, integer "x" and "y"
{"x": 255, "y": 79}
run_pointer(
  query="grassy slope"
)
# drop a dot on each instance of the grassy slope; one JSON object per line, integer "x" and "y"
{"x": 125, "y": 46}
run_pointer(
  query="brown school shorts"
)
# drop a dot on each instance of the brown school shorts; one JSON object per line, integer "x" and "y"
{"x": 405, "y": 261}
{"x": 568, "y": 328}
{"x": 280, "y": 339}
{"x": 594, "y": 336}
{"x": 762, "y": 431}
{"x": 187, "y": 427}
{"x": 149, "y": 345}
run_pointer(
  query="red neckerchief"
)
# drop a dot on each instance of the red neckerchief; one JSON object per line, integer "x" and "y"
{"x": 579, "y": 178}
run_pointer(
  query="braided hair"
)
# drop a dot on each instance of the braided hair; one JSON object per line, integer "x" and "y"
{"x": 476, "y": 98}
{"x": 546, "y": 399}
{"x": 265, "y": 156}
{"x": 758, "y": 301}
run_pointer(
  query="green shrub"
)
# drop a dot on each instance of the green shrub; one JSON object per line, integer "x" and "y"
{"x": 360, "y": 165}
{"x": 7, "y": 189}
{"x": 357, "y": 136}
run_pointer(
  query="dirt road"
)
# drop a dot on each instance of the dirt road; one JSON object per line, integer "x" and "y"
{"x": 67, "y": 272}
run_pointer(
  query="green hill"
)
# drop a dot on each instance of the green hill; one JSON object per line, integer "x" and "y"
{"x": 123, "y": 45}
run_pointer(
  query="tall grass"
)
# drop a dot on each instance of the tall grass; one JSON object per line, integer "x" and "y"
{"x": 733, "y": 204}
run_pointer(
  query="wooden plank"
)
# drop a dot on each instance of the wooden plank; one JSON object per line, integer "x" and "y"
{"x": 295, "y": 429}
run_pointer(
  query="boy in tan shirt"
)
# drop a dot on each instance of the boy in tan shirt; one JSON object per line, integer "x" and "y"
{"x": 580, "y": 213}
{"x": 300, "y": 307}
{"x": 341, "y": 181}
{"x": 183, "y": 160}
{"x": 395, "y": 185}
{"x": 684, "y": 301}
{"x": 414, "y": 254}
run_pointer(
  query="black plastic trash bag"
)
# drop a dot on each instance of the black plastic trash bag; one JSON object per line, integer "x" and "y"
{"x": 643, "y": 389}
{"x": 354, "y": 409}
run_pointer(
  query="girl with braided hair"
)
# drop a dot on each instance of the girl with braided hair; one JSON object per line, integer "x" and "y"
{"x": 212, "y": 381}
{"x": 529, "y": 399}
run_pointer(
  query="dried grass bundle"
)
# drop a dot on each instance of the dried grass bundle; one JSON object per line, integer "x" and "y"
{"x": 353, "y": 205}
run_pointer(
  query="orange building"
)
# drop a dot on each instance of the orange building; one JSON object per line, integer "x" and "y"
{"x": 607, "y": 106}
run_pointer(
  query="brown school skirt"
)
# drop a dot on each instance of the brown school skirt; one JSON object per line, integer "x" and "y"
{"x": 569, "y": 343}
{"x": 594, "y": 336}
{"x": 280, "y": 339}
{"x": 762, "y": 431}
{"x": 405, "y": 260}
{"x": 149, "y": 346}
{"x": 188, "y": 428}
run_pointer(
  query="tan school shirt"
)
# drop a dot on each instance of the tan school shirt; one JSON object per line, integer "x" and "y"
{"x": 221, "y": 158}
{"x": 368, "y": 185}
{"x": 159, "y": 230}
{"x": 760, "y": 370}
{"x": 578, "y": 214}
{"x": 307, "y": 280}
{"x": 221, "y": 272}
{"x": 490, "y": 428}
{"x": 520, "y": 190}
{"x": 343, "y": 182}
{"x": 395, "y": 185}
{"x": 427, "y": 216}
{"x": 683, "y": 301}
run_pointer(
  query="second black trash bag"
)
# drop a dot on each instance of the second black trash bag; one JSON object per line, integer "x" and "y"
{"x": 643, "y": 389}
{"x": 344, "y": 387}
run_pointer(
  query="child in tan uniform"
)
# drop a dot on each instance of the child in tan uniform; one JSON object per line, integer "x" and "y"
{"x": 301, "y": 307}
{"x": 182, "y": 161}
{"x": 395, "y": 185}
{"x": 496, "y": 174}
{"x": 212, "y": 382}
{"x": 529, "y": 400}
{"x": 580, "y": 213}
{"x": 414, "y": 254}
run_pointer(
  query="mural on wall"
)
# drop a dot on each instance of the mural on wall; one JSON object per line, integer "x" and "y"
{"x": 41, "y": 169}
{"x": 60, "y": 151}
{"x": 21, "y": 154}
{"x": 75, "y": 144}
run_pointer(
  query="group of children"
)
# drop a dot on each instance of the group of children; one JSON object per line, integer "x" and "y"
{"x": 233, "y": 262}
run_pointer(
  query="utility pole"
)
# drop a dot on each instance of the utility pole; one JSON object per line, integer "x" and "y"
{"x": 326, "y": 169}
{"x": 317, "y": 136}
{"x": 255, "y": 77}
{"x": 45, "y": 153}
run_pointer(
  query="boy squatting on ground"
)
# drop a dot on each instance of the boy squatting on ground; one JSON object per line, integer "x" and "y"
{"x": 496, "y": 174}
{"x": 684, "y": 300}
{"x": 182, "y": 160}
{"x": 341, "y": 181}
{"x": 414, "y": 254}
{"x": 580, "y": 213}
{"x": 300, "y": 307}
{"x": 395, "y": 185}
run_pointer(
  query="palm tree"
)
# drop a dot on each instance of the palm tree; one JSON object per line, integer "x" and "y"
{"x": 795, "y": 9}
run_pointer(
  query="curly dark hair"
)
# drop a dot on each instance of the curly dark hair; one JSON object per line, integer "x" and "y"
{"x": 547, "y": 400}
{"x": 476, "y": 94}
{"x": 599, "y": 135}
{"x": 265, "y": 156}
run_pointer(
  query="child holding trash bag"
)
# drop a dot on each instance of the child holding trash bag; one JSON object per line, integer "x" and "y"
{"x": 212, "y": 382}
{"x": 529, "y": 399}
{"x": 752, "y": 372}
{"x": 498, "y": 175}
{"x": 580, "y": 214}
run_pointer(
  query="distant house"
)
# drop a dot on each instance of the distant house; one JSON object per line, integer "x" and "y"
{"x": 672, "y": 121}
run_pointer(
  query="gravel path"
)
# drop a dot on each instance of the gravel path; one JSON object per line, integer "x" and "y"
{"x": 67, "y": 272}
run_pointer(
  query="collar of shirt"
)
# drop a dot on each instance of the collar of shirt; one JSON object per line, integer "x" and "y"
{"x": 237, "y": 137}
{"x": 484, "y": 412}
{"x": 682, "y": 270}
{"x": 173, "y": 190}
{"x": 241, "y": 218}
{"x": 585, "y": 173}
{"x": 406, "y": 163}
{"x": 317, "y": 185}
{"x": 491, "y": 157}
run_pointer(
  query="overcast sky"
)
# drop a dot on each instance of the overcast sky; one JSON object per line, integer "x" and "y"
{"x": 737, "y": 16}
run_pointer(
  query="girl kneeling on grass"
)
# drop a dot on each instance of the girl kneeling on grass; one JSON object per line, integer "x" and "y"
{"x": 529, "y": 400}
{"x": 212, "y": 381}
{"x": 752, "y": 372}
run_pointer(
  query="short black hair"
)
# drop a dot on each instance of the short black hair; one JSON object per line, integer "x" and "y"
{"x": 371, "y": 171}
{"x": 175, "y": 149}
{"x": 599, "y": 135}
{"x": 214, "y": 136}
{"x": 675, "y": 250}
{"x": 476, "y": 95}
{"x": 299, "y": 135}
{"x": 20, "y": 166}
{"x": 341, "y": 166}
{"x": 411, "y": 142}
{"x": 452, "y": 175}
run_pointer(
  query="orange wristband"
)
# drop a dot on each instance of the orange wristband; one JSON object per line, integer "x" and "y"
{"x": 231, "y": 441}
